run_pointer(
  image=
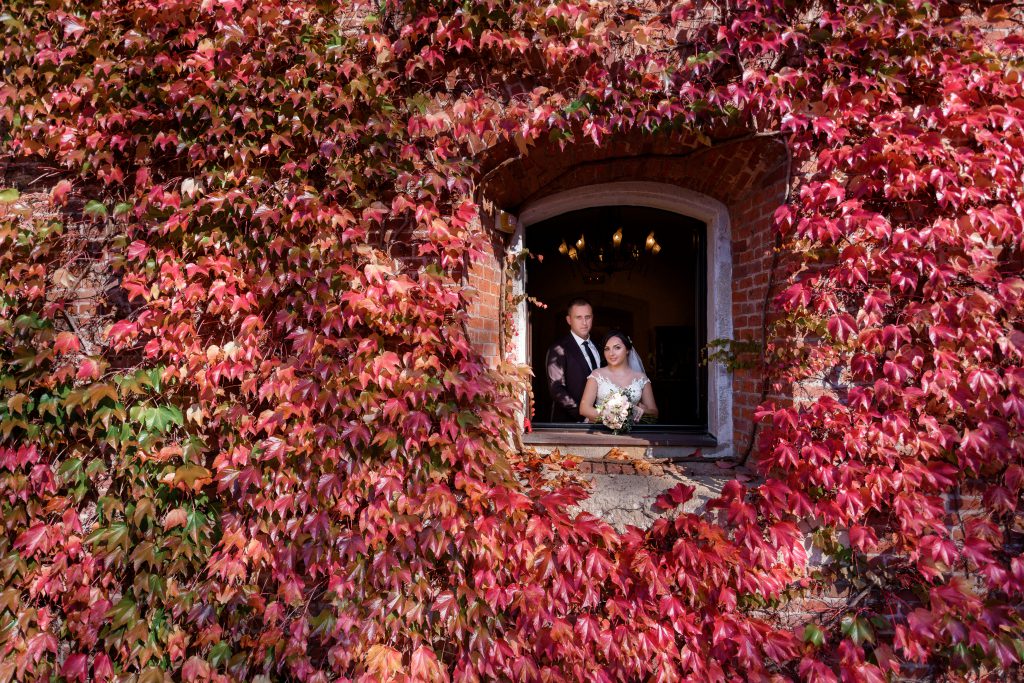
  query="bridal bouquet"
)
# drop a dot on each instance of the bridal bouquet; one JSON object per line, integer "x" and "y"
{"x": 617, "y": 412}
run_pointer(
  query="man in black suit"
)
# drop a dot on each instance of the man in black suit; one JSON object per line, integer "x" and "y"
{"x": 570, "y": 361}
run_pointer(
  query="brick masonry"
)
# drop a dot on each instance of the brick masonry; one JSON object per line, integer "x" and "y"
{"x": 484, "y": 283}
{"x": 746, "y": 173}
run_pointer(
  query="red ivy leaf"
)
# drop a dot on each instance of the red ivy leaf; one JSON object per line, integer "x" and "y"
{"x": 66, "y": 342}
{"x": 75, "y": 667}
{"x": 35, "y": 539}
{"x": 59, "y": 193}
{"x": 863, "y": 538}
{"x": 88, "y": 369}
{"x": 424, "y": 665}
{"x": 674, "y": 497}
{"x": 101, "y": 667}
{"x": 843, "y": 327}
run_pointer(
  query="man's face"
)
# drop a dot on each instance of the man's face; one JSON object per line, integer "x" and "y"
{"x": 580, "y": 318}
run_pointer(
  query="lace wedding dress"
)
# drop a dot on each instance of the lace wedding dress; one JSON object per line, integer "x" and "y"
{"x": 606, "y": 387}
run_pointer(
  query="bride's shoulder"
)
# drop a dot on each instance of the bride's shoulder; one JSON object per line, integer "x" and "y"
{"x": 641, "y": 377}
{"x": 599, "y": 373}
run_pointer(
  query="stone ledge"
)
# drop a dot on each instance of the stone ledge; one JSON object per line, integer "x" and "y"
{"x": 594, "y": 444}
{"x": 593, "y": 436}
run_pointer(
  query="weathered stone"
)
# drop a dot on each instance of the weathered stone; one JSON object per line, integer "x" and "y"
{"x": 628, "y": 499}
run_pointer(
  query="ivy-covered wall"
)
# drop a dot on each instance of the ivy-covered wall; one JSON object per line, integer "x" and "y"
{"x": 244, "y": 431}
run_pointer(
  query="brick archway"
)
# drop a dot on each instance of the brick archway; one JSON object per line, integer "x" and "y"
{"x": 744, "y": 174}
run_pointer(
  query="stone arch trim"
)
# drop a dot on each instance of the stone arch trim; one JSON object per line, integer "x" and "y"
{"x": 679, "y": 200}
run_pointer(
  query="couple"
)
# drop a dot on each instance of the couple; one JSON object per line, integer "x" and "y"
{"x": 577, "y": 381}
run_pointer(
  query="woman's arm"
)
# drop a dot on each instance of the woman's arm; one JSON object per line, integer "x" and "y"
{"x": 587, "y": 408}
{"x": 650, "y": 408}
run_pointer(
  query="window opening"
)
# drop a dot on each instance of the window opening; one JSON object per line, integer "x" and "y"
{"x": 644, "y": 271}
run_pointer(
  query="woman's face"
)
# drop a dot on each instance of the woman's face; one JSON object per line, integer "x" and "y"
{"x": 615, "y": 351}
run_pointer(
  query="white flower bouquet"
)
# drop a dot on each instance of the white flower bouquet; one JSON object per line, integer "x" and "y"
{"x": 617, "y": 412}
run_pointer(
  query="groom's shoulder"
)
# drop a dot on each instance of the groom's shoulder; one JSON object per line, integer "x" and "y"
{"x": 562, "y": 341}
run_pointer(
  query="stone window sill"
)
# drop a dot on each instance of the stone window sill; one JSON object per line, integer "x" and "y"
{"x": 580, "y": 435}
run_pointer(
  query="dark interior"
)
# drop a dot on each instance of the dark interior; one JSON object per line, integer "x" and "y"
{"x": 658, "y": 299}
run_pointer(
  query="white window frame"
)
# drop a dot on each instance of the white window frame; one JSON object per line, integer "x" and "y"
{"x": 719, "y": 277}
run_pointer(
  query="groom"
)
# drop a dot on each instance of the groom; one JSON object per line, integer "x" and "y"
{"x": 570, "y": 361}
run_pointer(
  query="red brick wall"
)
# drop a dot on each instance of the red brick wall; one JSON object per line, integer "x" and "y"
{"x": 483, "y": 282}
{"x": 753, "y": 244}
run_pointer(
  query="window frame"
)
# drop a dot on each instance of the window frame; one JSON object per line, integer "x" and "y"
{"x": 719, "y": 315}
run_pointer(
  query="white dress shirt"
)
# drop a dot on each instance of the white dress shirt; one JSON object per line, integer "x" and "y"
{"x": 583, "y": 350}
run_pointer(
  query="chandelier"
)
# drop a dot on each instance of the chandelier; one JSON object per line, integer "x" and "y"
{"x": 598, "y": 259}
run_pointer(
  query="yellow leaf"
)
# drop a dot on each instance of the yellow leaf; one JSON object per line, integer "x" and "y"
{"x": 521, "y": 144}
{"x": 383, "y": 661}
{"x": 143, "y": 509}
{"x": 6, "y": 670}
{"x": 9, "y": 600}
{"x": 73, "y": 398}
{"x": 98, "y": 392}
{"x": 138, "y": 633}
{"x": 153, "y": 675}
{"x": 192, "y": 476}
{"x": 195, "y": 414}
{"x": 16, "y": 403}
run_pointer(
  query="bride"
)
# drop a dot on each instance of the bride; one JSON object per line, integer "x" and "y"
{"x": 624, "y": 372}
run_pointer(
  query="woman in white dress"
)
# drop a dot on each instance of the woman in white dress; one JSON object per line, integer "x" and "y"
{"x": 619, "y": 374}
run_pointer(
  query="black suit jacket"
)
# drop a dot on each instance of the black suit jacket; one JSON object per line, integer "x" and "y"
{"x": 567, "y": 376}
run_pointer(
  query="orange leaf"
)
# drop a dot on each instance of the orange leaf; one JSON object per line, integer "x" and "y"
{"x": 175, "y": 518}
{"x": 383, "y": 661}
{"x": 66, "y": 342}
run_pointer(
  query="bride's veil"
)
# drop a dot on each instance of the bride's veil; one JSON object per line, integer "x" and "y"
{"x": 635, "y": 363}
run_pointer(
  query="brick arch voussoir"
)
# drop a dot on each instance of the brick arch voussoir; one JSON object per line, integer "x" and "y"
{"x": 728, "y": 167}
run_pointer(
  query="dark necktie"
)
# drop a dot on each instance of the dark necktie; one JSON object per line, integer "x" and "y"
{"x": 590, "y": 354}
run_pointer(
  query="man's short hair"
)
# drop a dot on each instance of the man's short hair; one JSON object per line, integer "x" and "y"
{"x": 578, "y": 301}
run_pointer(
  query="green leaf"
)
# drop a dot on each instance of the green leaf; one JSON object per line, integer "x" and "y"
{"x": 467, "y": 419}
{"x": 220, "y": 653}
{"x": 814, "y": 635}
{"x": 8, "y": 195}
{"x": 122, "y": 208}
{"x": 193, "y": 449}
{"x": 158, "y": 419}
{"x": 157, "y": 585}
{"x": 857, "y": 629}
{"x": 29, "y": 321}
{"x": 70, "y": 467}
{"x": 9, "y": 20}
{"x": 578, "y": 104}
{"x": 123, "y": 612}
{"x": 95, "y": 209}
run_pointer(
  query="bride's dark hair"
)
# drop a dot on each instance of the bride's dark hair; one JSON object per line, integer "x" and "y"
{"x": 627, "y": 342}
